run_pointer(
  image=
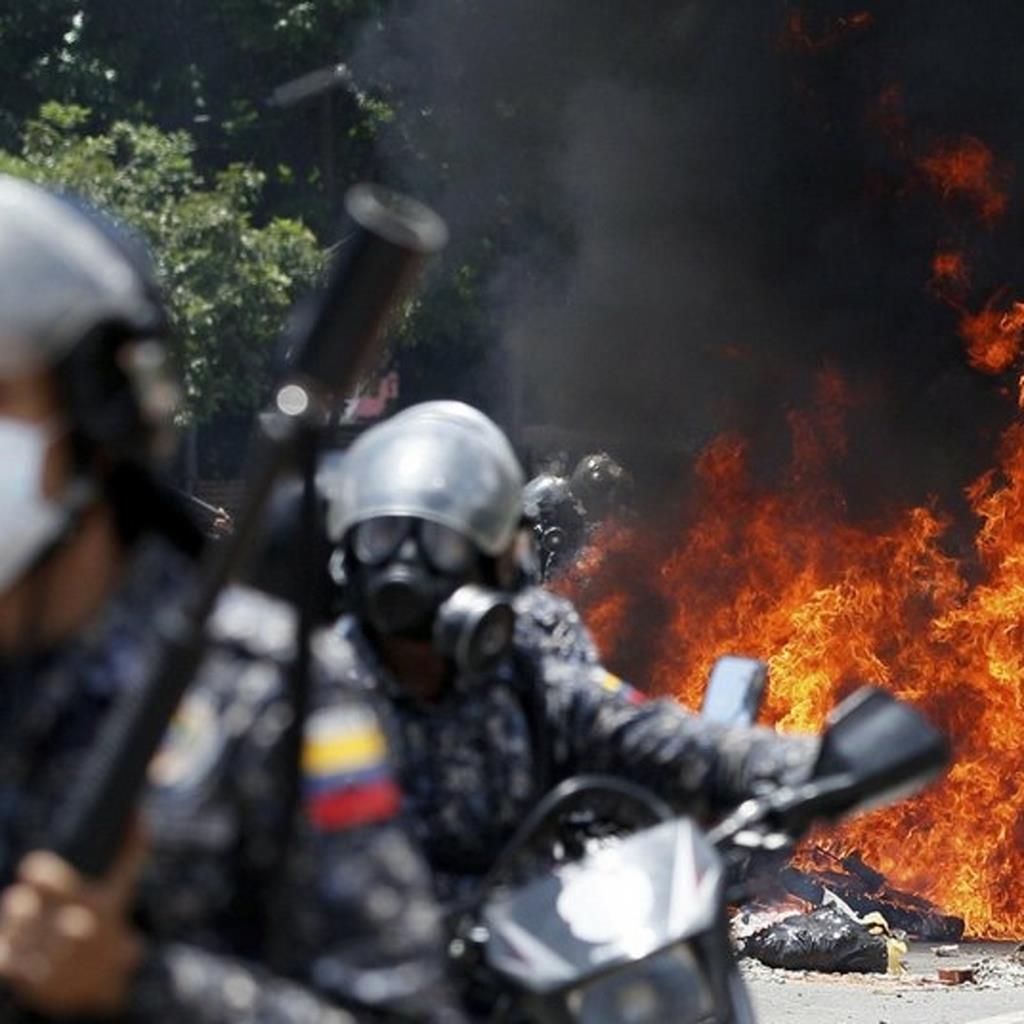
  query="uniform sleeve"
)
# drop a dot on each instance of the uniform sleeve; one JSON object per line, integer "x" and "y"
{"x": 349, "y": 933}
{"x": 179, "y": 982}
{"x": 364, "y": 927}
{"x": 550, "y": 625}
{"x": 602, "y": 725}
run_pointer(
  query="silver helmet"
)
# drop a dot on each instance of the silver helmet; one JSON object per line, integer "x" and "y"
{"x": 545, "y": 496}
{"x": 60, "y": 276}
{"x": 445, "y": 462}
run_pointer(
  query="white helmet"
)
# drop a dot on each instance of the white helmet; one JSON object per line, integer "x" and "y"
{"x": 61, "y": 274}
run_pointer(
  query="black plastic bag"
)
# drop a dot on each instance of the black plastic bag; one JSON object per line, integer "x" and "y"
{"x": 825, "y": 940}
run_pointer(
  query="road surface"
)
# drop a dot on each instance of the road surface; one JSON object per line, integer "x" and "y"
{"x": 786, "y": 998}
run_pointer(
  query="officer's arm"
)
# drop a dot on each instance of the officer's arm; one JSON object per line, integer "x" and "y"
{"x": 335, "y": 984}
{"x": 180, "y": 982}
{"x": 549, "y": 625}
{"x": 603, "y": 725}
{"x": 356, "y": 936}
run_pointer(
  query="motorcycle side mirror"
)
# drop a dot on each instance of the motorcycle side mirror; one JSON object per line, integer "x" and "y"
{"x": 735, "y": 691}
{"x": 882, "y": 748}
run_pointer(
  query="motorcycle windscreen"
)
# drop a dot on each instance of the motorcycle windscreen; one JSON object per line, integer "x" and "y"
{"x": 619, "y": 905}
{"x": 668, "y": 988}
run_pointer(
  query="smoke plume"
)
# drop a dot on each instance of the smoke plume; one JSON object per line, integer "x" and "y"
{"x": 695, "y": 207}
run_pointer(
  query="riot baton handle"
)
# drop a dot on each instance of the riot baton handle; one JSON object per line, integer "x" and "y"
{"x": 386, "y": 246}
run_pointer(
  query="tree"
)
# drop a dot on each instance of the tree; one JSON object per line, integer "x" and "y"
{"x": 207, "y": 67}
{"x": 228, "y": 282}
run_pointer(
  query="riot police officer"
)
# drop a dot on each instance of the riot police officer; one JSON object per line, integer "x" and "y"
{"x": 601, "y": 486}
{"x": 494, "y": 689}
{"x": 249, "y": 908}
{"x": 566, "y": 512}
{"x": 557, "y": 521}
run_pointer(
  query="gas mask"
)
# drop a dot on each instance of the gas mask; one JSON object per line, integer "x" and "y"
{"x": 29, "y": 521}
{"x": 418, "y": 579}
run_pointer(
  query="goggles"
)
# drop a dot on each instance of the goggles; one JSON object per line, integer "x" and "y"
{"x": 375, "y": 541}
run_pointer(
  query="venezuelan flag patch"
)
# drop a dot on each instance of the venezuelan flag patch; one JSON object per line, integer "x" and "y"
{"x": 346, "y": 777}
{"x": 613, "y": 684}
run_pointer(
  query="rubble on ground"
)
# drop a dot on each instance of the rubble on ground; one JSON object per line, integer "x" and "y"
{"x": 1005, "y": 971}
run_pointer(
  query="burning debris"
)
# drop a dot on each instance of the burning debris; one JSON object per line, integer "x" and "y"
{"x": 849, "y": 920}
{"x": 867, "y": 891}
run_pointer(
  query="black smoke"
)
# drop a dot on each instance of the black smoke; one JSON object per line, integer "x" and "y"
{"x": 691, "y": 209}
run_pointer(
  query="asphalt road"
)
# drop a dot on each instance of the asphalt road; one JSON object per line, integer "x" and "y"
{"x": 786, "y": 998}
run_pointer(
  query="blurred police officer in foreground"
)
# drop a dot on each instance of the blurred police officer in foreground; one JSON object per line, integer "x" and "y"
{"x": 494, "y": 687}
{"x": 225, "y": 926}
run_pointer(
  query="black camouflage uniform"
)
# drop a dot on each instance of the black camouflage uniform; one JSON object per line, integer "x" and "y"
{"x": 357, "y": 936}
{"x": 475, "y": 762}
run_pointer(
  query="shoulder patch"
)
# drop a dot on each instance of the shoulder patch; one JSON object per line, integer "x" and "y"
{"x": 191, "y": 747}
{"x": 346, "y": 777}
{"x": 613, "y": 684}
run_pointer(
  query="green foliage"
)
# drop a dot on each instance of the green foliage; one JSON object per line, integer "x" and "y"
{"x": 228, "y": 282}
{"x": 207, "y": 68}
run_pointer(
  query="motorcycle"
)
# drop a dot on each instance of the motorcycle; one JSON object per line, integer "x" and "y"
{"x": 607, "y": 908}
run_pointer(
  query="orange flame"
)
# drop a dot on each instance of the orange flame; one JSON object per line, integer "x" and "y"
{"x": 994, "y": 337}
{"x": 784, "y": 576}
{"x": 951, "y": 277}
{"x": 966, "y": 168}
{"x": 801, "y": 35}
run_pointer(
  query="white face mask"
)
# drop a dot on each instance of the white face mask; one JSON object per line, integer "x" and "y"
{"x": 29, "y": 521}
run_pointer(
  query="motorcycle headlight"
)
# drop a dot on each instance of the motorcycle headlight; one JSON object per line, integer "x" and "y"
{"x": 667, "y": 987}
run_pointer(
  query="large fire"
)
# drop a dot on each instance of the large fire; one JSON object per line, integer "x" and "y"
{"x": 782, "y": 574}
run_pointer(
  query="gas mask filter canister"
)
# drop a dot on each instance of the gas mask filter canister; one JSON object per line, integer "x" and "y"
{"x": 474, "y": 627}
